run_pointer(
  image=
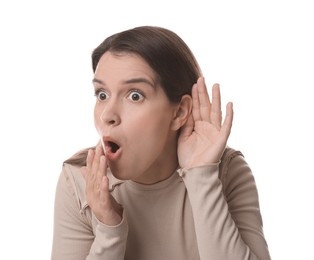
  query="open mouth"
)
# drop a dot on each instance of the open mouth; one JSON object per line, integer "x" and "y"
{"x": 112, "y": 147}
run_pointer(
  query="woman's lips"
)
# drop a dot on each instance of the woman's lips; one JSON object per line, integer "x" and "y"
{"x": 112, "y": 150}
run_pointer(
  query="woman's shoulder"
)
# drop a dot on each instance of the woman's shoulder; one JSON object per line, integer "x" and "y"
{"x": 228, "y": 155}
{"x": 231, "y": 161}
{"x": 74, "y": 181}
{"x": 79, "y": 158}
{"x": 234, "y": 169}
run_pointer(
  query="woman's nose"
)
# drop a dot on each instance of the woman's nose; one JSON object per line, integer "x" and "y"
{"x": 110, "y": 114}
{"x": 112, "y": 120}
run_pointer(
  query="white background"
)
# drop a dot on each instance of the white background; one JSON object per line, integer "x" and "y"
{"x": 261, "y": 53}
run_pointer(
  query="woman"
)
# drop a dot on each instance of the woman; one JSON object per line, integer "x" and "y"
{"x": 160, "y": 184}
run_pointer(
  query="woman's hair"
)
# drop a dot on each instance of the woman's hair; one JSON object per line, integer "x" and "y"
{"x": 164, "y": 51}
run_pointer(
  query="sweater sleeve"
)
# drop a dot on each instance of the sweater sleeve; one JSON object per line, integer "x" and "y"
{"x": 76, "y": 234}
{"x": 227, "y": 219}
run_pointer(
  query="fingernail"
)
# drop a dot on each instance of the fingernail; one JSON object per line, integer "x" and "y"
{"x": 98, "y": 149}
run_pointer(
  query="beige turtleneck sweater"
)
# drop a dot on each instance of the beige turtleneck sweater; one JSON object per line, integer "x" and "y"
{"x": 208, "y": 212}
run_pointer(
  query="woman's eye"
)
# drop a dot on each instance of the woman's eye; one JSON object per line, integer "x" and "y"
{"x": 101, "y": 95}
{"x": 135, "y": 96}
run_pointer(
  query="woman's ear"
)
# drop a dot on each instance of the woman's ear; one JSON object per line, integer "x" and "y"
{"x": 182, "y": 112}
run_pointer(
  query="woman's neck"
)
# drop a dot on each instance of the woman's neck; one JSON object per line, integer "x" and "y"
{"x": 162, "y": 168}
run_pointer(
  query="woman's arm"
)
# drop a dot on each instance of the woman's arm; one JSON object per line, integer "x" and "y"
{"x": 227, "y": 221}
{"x": 226, "y": 215}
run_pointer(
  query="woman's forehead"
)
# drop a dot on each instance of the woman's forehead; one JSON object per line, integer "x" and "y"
{"x": 125, "y": 66}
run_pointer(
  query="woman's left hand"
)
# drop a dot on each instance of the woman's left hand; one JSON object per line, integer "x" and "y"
{"x": 203, "y": 138}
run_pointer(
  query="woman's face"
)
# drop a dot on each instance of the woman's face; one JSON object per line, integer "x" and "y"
{"x": 134, "y": 119}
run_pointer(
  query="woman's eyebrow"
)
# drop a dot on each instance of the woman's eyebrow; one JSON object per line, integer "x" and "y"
{"x": 129, "y": 81}
{"x": 139, "y": 80}
{"x": 98, "y": 81}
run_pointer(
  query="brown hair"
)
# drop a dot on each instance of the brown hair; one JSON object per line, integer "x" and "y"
{"x": 164, "y": 51}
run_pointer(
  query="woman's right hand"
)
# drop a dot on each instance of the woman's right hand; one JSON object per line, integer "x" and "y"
{"x": 106, "y": 209}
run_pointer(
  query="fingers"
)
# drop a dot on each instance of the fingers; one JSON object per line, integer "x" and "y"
{"x": 95, "y": 167}
{"x": 104, "y": 190}
{"x": 95, "y": 171}
{"x": 203, "y": 109}
{"x": 195, "y": 104}
{"x": 201, "y": 101}
{"x": 98, "y": 196}
{"x": 215, "y": 113}
{"x": 226, "y": 127}
{"x": 101, "y": 172}
{"x": 204, "y": 100}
